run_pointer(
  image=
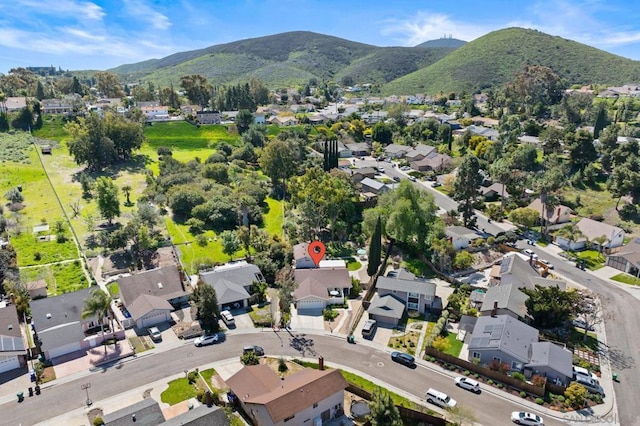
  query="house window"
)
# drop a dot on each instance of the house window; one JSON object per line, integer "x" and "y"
{"x": 289, "y": 418}
{"x": 477, "y": 355}
{"x": 497, "y": 359}
{"x": 315, "y": 405}
{"x": 515, "y": 365}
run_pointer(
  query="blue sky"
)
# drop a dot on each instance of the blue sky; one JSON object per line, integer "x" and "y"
{"x": 100, "y": 34}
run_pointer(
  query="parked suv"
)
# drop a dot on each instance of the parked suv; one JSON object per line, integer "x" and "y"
{"x": 228, "y": 318}
{"x": 253, "y": 348}
{"x": 440, "y": 398}
{"x": 369, "y": 329}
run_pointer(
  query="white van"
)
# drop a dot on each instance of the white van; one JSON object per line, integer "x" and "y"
{"x": 228, "y": 318}
{"x": 440, "y": 398}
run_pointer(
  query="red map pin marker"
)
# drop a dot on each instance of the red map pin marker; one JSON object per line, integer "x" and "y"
{"x": 316, "y": 250}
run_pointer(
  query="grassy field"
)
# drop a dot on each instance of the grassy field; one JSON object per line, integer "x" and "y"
{"x": 61, "y": 278}
{"x": 181, "y": 135}
{"x": 626, "y": 279}
{"x": 274, "y": 217}
{"x": 14, "y": 147}
{"x": 455, "y": 345}
{"x": 52, "y": 129}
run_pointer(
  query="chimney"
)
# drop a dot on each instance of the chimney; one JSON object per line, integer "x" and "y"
{"x": 320, "y": 363}
{"x": 494, "y": 311}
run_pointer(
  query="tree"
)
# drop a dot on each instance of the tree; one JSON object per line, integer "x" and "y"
{"x": 244, "y": 119}
{"x": 549, "y": 306}
{"x": 581, "y": 149}
{"x": 461, "y": 416}
{"x": 197, "y": 89}
{"x": 280, "y": 159}
{"x": 441, "y": 344}
{"x": 601, "y": 120}
{"x": 587, "y": 310}
{"x": 98, "y": 304}
{"x": 250, "y": 358}
{"x": 216, "y": 171}
{"x": 230, "y": 243}
{"x": 442, "y": 252}
{"x": 524, "y": 216}
{"x": 408, "y": 215}
{"x": 107, "y": 198}
{"x": 206, "y": 302}
{"x": 462, "y": 260}
{"x": 260, "y": 290}
{"x": 109, "y": 85}
{"x": 14, "y": 195}
{"x": 551, "y": 139}
{"x": 382, "y": 133}
{"x": 287, "y": 284}
{"x": 466, "y": 188}
{"x": 571, "y": 233}
{"x": 256, "y": 135}
{"x": 127, "y": 193}
{"x": 576, "y": 395}
{"x": 383, "y": 410}
{"x": 375, "y": 250}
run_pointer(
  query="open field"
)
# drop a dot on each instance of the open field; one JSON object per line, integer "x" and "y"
{"x": 180, "y": 135}
{"x": 61, "y": 277}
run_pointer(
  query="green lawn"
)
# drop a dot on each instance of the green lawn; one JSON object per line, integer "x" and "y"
{"x": 33, "y": 252}
{"x": 353, "y": 264}
{"x": 180, "y": 135}
{"x": 274, "y": 217}
{"x": 592, "y": 258}
{"x": 455, "y": 345}
{"x": 207, "y": 375}
{"x": 576, "y": 337}
{"x": 179, "y": 390}
{"x": 626, "y": 279}
{"x": 114, "y": 289}
{"x": 52, "y": 128}
{"x": 60, "y": 278}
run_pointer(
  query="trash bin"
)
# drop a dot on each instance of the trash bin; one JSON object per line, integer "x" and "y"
{"x": 30, "y": 391}
{"x": 615, "y": 377}
{"x": 351, "y": 338}
{"x": 20, "y": 396}
{"x": 37, "y": 389}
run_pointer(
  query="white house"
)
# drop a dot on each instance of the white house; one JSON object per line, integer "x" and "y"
{"x": 592, "y": 230}
{"x": 461, "y": 237}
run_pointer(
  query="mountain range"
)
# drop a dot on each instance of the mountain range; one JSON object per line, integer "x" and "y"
{"x": 443, "y": 65}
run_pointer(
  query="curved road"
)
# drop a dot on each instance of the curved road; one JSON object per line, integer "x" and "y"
{"x": 59, "y": 399}
{"x": 621, "y": 313}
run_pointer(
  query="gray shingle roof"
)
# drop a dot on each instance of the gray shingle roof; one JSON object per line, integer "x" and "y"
{"x": 413, "y": 286}
{"x": 147, "y": 411}
{"x": 146, "y": 303}
{"x": 162, "y": 282}
{"x": 372, "y": 183}
{"x": 503, "y": 333}
{"x": 230, "y": 281}
{"x": 387, "y": 306}
{"x": 547, "y": 354}
{"x": 507, "y": 296}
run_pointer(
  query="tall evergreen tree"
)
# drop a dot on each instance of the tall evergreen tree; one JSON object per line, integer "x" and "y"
{"x": 375, "y": 249}
{"x": 601, "y": 118}
{"x": 383, "y": 410}
{"x": 466, "y": 188}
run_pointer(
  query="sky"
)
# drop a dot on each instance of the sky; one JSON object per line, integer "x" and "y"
{"x": 101, "y": 34}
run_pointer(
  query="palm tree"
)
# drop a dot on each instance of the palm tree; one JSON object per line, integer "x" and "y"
{"x": 571, "y": 233}
{"x": 127, "y": 193}
{"x": 98, "y": 304}
{"x": 601, "y": 240}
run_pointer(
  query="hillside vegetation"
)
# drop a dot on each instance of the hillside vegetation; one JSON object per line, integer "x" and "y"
{"x": 495, "y": 58}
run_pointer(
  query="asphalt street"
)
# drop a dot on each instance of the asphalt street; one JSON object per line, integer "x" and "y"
{"x": 488, "y": 408}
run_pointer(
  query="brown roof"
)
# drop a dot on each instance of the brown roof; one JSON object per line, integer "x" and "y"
{"x": 552, "y": 215}
{"x": 146, "y": 303}
{"x": 162, "y": 282}
{"x": 323, "y": 278}
{"x": 300, "y": 251}
{"x": 259, "y": 384}
{"x": 310, "y": 287}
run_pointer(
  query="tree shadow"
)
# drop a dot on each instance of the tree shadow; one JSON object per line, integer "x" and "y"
{"x": 302, "y": 344}
{"x": 136, "y": 164}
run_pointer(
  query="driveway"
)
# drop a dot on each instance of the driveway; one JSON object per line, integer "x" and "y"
{"x": 306, "y": 320}
{"x": 381, "y": 336}
{"x": 242, "y": 320}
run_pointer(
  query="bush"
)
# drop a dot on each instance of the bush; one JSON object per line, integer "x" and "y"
{"x": 192, "y": 376}
{"x": 476, "y": 375}
{"x": 467, "y": 372}
{"x": 98, "y": 421}
{"x": 490, "y": 382}
{"x": 200, "y": 395}
{"x": 519, "y": 376}
{"x": 282, "y": 365}
{"x": 560, "y": 398}
{"x": 538, "y": 380}
{"x": 500, "y": 385}
{"x": 523, "y": 394}
{"x": 329, "y": 314}
{"x": 539, "y": 401}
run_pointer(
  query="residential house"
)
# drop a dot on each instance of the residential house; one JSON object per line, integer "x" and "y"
{"x": 229, "y": 116}
{"x": 505, "y": 299}
{"x": 494, "y": 191}
{"x": 416, "y": 294}
{"x": 307, "y": 397}
{"x": 502, "y": 339}
{"x": 259, "y": 119}
{"x": 386, "y": 310}
{"x": 301, "y": 258}
{"x": 461, "y": 237}
{"x": 56, "y": 106}
{"x": 374, "y": 117}
{"x": 284, "y": 121}
{"x": 364, "y": 172}
{"x": 627, "y": 259}
{"x": 147, "y": 412}
{"x": 343, "y": 151}
{"x": 557, "y": 215}
{"x": 490, "y": 134}
{"x": 36, "y": 289}
{"x": 13, "y": 353}
{"x": 162, "y": 283}
{"x": 434, "y": 161}
{"x": 208, "y": 117}
{"x": 155, "y": 112}
{"x": 190, "y": 109}
{"x": 549, "y": 360}
{"x": 233, "y": 283}
{"x": 520, "y": 270}
{"x": 58, "y": 325}
{"x": 531, "y": 140}
{"x": 419, "y": 151}
{"x": 485, "y": 121}
{"x": 396, "y": 151}
{"x": 373, "y": 186}
{"x": 592, "y": 230}
{"x": 359, "y": 149}
{"x": 316, "y": 119}
{"x": 15, "y": 103}
{"x": 320, "y": 287}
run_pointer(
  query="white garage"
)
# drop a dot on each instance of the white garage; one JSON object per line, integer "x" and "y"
{"x": 310, "y": 304}
{"x": 63, "y": 350}
{"x": 9, "y": 363}
{"x": 148, "y": 310}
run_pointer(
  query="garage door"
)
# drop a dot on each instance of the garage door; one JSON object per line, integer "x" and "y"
{"x": 9, "y": 364}
{"x": 64, "y": 349}
{"x": 306, "y": 305}
{"x": 153, "y": 318}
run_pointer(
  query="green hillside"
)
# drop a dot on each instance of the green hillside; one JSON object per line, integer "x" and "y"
{"x": 452, "y": 43}
{"x": 495, "y": 58}
{"x": 286, "y": 59}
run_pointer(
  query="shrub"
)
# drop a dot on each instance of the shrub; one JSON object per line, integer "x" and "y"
{"x": 201, "y": 395}
{"x": 329, "y": 314}
{"x": 539, "y": 401}
{"x": 250, "y": 358}
{"x": 37, "y": 256}
{"x": 523, "y": 394}
{"x": 192, "y": 376}
{"x": 98, "y": 421}
{"x": 538, "y": 380}
{"x": 467, "y": 372}
{"x": 519, "y": 376}
{"x": 490, "y": 382}
{"x": 441, "y": 344}
{"x": 282, "y": 365}
{"x": 476, "y": 375}
{"x": 561, "y": 398}
{"x": 500, "y": 385}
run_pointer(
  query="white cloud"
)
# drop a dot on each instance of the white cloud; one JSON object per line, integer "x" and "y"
{"x": 147, "y": 13}
{"x": 428, "y": 26}
{"x": 67, "y": 8}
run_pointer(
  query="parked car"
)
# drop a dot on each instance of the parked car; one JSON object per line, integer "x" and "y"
{"x": 412, "y": 178}
{"x": 396, "y": 178}
{"x": 155, "y": 334}
{"x": 258, "y": 350}
{"x": 227, "y": 318}
{"x": 548, "y": 264}
{"x": 581, "y": 324}
{"x": 468, "y": 384}
{"x": 527, "y": 419}
{"x": 440, "y": 398}
{"x": 369, "y": 328}
{"x": 405, "y": 168}
{"x": 579, "y": 371}
{"x": 436, "y": 184}
{"x": 590, "y": 385}
{"x": 529, "y": 252}
{"x": 205, "y": 340}
{"x": 381, "y": 169}
{"x": 403, "y": 358}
